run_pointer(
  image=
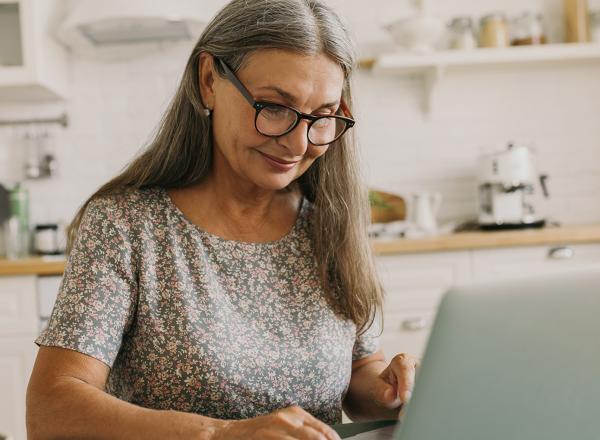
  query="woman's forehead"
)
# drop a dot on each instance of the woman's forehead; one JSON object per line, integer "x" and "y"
{"x": 293, "y": 75}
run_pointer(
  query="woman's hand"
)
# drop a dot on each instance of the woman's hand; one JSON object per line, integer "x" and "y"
{"x": 394, "y": 385}
{"x": 288, "y": 423}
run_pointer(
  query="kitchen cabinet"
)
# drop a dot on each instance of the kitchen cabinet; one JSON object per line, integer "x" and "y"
{"x": 498, "y": 264}
{"x": 17, "y": 355}
{"x": 415, "y": 283}
{"x": 33, "y": 66}
{"x": 18, "y": 329}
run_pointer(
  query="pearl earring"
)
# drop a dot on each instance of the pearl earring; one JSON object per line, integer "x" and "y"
{"x": 207, "y": 112}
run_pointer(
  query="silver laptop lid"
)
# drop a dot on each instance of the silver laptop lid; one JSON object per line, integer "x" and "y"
{"x": 512, "y": 360}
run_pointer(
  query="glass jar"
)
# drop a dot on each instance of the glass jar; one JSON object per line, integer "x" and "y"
{"x": 576, "y": 21}
{"x": 462, "y": 33}
{"x": 494, "y": 31}
{"x": 595, "y": 26}
{"x": 527, "y": 29}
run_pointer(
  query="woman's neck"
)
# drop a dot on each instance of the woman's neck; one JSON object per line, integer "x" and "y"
{"x": 237, "y": 211}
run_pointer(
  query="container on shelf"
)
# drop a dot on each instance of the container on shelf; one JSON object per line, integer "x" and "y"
{"x": 577, "y": 21}
{"x": 527, "y": 29}
{"x": 494, "y": 31}
{"x": 462, "y": 33}
{"x": 595, "y": 26}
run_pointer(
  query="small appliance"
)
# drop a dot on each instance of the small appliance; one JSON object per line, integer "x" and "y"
{"x": 509, "y": 190}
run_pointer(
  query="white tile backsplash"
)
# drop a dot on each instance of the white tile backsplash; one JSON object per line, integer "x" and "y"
{"x": 114, "y": 108}
{"x": 555, "y": 108}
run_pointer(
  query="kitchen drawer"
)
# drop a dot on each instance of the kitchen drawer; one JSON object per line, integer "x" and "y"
{"x": 497, "y": 264}
{"x": 417, "y": 281}
{"x": 407, "y": 332}
{"x": 18, "y": 305}
{"x": 434, "y": 269}
{"x": 413, "y": 299}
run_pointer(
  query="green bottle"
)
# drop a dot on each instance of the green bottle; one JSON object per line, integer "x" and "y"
{"x": 19, "y": 213}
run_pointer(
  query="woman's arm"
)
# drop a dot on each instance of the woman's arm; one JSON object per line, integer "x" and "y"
{"x": 378, "y": 391}
{"x": 66, "y": 399}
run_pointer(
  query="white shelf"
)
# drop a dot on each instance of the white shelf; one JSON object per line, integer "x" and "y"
{"x": 433, "y": 65}
{"x": 403, "y": 62}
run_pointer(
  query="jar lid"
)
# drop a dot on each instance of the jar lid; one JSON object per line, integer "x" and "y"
{"x": 41, "y": 227}
{"x": 464, "y": 21}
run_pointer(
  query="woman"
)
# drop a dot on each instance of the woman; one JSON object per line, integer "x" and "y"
{"x": 222, "y": 286}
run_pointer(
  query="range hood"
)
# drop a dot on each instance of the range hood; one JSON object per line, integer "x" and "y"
{"x": 116, "y": 29}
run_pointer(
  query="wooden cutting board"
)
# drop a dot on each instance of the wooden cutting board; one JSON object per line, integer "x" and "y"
{"x": 386, "y": 207}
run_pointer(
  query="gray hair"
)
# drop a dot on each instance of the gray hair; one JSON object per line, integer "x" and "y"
{"x": 181, "y": 153}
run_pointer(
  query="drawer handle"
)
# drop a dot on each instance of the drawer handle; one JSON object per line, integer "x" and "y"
{"x": 414, "y": 324}
{"x": 561, "y": 253}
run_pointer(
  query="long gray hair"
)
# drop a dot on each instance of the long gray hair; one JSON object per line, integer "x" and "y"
{"x": 181, "y": 153}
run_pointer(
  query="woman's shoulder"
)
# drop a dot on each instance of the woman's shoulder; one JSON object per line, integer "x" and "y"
{"x": 129, "y": 205}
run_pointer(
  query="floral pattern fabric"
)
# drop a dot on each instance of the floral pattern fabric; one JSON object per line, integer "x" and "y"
{"x": 189, "y": 321}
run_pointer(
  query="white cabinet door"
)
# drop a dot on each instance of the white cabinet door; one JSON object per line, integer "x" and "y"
{"x": 18, "y": 305}
{"x": 33, "y": 66}
{"x": 17, "y": 355}
{"x": 18, "y": 330}
{"x": 517, "y": 262}
{"x": 414, "y": 285}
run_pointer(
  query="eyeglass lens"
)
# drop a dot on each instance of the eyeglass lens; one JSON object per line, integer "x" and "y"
{"x": 275, "y": 120}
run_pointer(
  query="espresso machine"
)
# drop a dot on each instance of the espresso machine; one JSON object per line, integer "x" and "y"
{"x": 509, "y": 190}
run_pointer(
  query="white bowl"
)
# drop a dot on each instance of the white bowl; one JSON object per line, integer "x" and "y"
{"x": 421, "y": 33}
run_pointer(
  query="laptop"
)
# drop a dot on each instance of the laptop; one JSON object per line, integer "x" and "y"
{"x": 512, "y": 360}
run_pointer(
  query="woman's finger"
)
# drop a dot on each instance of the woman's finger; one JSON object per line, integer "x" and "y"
{"x": 307, "y": 420}
{"x": 404, "y": 369}
{"x": 321, "y": 428}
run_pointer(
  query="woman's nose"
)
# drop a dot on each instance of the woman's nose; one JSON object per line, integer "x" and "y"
{"x": 296, "y": 140}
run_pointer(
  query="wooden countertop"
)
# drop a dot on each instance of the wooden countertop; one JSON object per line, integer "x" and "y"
{"x": 563, "y": 235}
{"x": 33, "y": 266}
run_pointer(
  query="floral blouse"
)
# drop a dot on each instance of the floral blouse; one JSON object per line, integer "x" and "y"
{"x": 189, "y": 321}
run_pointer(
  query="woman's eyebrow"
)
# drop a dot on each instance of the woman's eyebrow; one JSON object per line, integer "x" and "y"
{"x": 292, "y": 100}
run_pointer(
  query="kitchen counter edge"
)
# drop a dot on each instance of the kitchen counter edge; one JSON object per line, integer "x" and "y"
{"x": 562, "y": 235}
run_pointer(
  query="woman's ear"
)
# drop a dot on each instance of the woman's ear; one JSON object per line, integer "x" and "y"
{"x": 206, "y": 77}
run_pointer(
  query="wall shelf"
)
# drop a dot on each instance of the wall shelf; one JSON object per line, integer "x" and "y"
{"x": 431, "y": 67}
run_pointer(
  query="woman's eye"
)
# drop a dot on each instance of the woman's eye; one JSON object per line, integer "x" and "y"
{"x": 275, "y": 111}
{"x": 323, "y": 122}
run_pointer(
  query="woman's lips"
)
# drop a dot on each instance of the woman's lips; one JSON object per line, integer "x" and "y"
{"x": 277, "y": 164}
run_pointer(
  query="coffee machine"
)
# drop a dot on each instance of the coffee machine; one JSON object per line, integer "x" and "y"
{"x": 509, "y": 190}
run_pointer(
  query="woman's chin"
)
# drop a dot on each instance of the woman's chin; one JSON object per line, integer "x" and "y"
{"x": 274, "y": 183}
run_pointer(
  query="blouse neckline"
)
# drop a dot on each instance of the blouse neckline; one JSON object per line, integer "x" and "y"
{"x": 218, "y": 239}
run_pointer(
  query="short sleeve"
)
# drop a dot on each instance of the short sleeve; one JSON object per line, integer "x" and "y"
{"x": 368, "y": 342}
{"x": 97, "y": 298}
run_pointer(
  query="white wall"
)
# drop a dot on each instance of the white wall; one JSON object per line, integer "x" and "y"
{"x": 114, "y": 108}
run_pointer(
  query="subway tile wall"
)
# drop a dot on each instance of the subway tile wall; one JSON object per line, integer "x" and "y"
{"x": 114, "y": 109}
{"x": 556, "y": 109}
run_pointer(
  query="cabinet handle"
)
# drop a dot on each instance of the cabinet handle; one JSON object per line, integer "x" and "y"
{"x": 414, "y": 324}
{"x": 561, "y": 253}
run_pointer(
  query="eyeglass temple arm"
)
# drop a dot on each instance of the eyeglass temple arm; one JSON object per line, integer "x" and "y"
{"x": 236, "y": 82}
{"x": 345, "y": 110}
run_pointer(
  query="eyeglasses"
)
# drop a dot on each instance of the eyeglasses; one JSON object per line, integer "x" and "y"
{"x": 276, "y": 120}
